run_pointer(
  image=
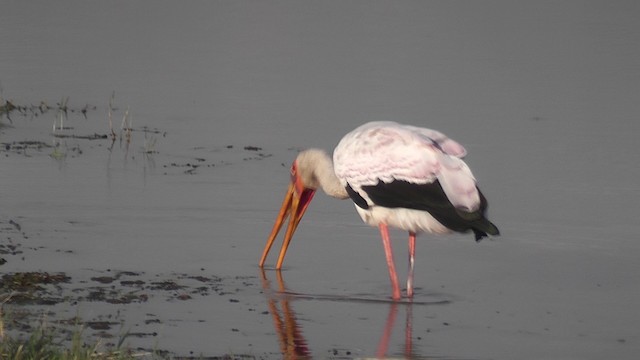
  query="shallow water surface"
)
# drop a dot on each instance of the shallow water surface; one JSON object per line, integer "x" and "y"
{"x": 155, "y": 234}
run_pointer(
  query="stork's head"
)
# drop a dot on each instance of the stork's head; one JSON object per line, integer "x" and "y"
{"x": 301, "y": 189}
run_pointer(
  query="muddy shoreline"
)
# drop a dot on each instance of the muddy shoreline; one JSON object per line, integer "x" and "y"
{"x": 35, "y": 297}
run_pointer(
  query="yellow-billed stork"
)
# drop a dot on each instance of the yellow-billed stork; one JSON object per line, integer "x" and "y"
{"x": 402, "y": 176}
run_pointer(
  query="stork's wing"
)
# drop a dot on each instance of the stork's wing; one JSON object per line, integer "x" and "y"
{"x": 387, "y": 152}
{"x": 433, "y": 199}
{"x": 448, "y": 146}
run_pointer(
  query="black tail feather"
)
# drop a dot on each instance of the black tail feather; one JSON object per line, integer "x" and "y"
{"x": 484, "y": 228}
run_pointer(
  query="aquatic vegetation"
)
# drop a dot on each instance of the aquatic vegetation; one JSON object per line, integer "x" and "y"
{"x": 8, "y": 108}
{"x": 42, "y": 344}
{"x": 60, "y": 129}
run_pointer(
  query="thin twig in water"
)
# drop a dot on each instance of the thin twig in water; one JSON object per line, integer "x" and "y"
{"x": 62, "y": 112}
{"x": 126, "y": 125}
{"x": 113, "y": 133}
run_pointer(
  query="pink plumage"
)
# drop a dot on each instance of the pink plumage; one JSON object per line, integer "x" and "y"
{"x": 387, "y": 151}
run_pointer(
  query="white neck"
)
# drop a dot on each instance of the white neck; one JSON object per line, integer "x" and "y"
{"x": 316, "y": 171}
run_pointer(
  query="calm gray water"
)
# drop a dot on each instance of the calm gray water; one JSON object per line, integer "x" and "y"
{"x": 544, "y": 95}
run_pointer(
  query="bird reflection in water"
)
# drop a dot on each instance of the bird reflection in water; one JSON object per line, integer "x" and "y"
{"x": 293, "y": 345}
{"x": 383, "y": 344}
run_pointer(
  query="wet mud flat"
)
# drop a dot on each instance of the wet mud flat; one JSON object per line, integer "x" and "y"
{"x": 32, "y": 300}
{"x": 103, "y": 303}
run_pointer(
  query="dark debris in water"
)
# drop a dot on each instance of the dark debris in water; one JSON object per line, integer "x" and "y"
{"x": 223, "y": 357}
{"x": 21, "y": 147}
{"x": 9, "y": 108}
{"x": 83, "y": 137}
{"x": 190, "y": 166}
{"x": 29, "y": 295}
{"x": 100, "y": 325}
{"x": 38, "y": 288}
{"x": 114, "y": 296}
{"x": 104, "y": 279}
{"x": 165, "y": 285}
{"x": 12, "y": 236}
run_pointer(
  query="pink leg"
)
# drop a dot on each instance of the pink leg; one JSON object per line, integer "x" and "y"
{"x": 384, "y": 231}
{"x": 412, "y": 255}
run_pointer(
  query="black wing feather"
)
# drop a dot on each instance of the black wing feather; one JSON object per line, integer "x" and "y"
{"x": 427, "y": 197}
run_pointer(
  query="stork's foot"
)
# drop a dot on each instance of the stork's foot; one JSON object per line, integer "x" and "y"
{"x": 396, "y": 295}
